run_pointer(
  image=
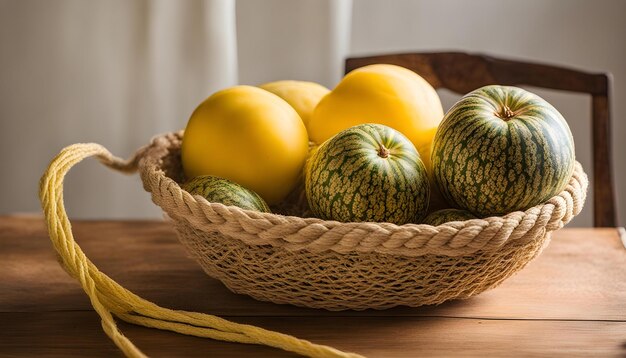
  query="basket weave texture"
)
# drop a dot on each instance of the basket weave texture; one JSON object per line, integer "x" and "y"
{"x": 289, "y": 258}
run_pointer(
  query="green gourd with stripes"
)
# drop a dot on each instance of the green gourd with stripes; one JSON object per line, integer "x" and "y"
{"x": 501, "y": 149}
{"x": 369, "y": 172}
{"x": 219, "y": 190}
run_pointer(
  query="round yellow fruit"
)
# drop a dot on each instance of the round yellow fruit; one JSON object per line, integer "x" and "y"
{"x": 385, "y": 94}
{"x": 303, "y": 96}
{"x": 247, "y": 135}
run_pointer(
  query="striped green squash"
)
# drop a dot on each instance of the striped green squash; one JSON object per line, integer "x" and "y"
{"x": 439, "y": 217}
{"x": 369, "y": 172}
{"x": 219, "y": 190}
{"x": 501, "y": 149}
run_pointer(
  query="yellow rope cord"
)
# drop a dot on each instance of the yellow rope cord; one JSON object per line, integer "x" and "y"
{"x": 109, "y": 298}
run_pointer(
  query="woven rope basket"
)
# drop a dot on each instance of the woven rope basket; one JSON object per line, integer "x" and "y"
{"x": 336, "y": 266}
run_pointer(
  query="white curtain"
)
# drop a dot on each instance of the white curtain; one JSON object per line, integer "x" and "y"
{"x": 119, "y": 72}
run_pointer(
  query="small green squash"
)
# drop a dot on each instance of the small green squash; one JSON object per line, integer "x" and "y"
{"x": 501, "y": 149}
{"x": 369, "y": 172}
{"x": 439, "y": 217}
{"x": 219, "y": 190}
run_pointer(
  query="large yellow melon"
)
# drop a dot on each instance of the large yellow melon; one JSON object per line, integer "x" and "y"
{"x": 249, "y": 136}
{"x": 385, "y": 94}
{"x": 303, "y": 96}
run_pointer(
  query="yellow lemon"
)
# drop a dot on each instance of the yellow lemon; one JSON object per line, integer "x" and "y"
{"x": 303, "y": 96}
{"x": 385, "y": 94}
{"x": 247, "y": 135}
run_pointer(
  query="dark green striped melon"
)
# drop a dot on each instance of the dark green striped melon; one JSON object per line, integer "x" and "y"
{"x": 219, "y": 190}
{"x": 369, "y": 172}
{"x": 439, "y": 217}
{"x": 501, "y": 149}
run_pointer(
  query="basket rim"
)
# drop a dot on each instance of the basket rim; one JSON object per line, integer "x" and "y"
{"x": 454, "y": 238}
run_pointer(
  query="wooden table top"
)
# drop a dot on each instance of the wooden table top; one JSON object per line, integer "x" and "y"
{"x": 569, "y": 301}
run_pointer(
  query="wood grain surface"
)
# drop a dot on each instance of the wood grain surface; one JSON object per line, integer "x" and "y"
{"x": 569, "y": 301}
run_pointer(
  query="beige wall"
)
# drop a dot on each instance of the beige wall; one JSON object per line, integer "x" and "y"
{"x": 588, "y": 35}
{"x": 118, "y": 72}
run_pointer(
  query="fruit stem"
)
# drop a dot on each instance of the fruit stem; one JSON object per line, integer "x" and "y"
{"x": 505, "y": 113}
{"x": 383, "y": 152}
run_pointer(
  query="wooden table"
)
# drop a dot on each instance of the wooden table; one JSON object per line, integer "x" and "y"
{"x": 570, "y": 301}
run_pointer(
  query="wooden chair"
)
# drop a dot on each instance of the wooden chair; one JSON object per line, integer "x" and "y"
{"x": 463, "y": 72}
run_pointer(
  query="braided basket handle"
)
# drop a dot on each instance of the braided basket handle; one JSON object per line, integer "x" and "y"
{"x": 111, "y": 299}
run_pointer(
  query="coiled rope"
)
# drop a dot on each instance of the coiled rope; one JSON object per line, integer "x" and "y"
{"x": 111, "y": 299}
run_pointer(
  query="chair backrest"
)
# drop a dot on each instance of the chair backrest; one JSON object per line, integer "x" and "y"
{"x": 463, "y": 72}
